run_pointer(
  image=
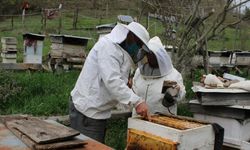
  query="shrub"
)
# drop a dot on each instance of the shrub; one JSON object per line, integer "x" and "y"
{"x": 8, "y": 87}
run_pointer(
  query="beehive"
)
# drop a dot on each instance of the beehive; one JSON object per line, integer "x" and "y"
{"x": 219, "y": 58}
{"x": 242, "y": 58}
{"x": 9, "y": 49}
{"x": 236, "y": 130}
{"x": 245, "y": 145}
{"x": 33, "y": 48}
{"x": 170, "y": 133}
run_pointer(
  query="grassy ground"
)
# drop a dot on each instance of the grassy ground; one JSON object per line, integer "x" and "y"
{"x": 39, "y": 93}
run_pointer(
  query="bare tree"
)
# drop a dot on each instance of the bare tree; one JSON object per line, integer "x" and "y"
{"x": 197, "y": 23}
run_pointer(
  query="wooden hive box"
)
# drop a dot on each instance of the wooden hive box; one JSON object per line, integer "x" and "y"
{"x": 219, "y": 58}
{"x": 242, "y": 58}
{"x": 9, "y": 40}
{"x": 234, "y": 119}
{"x": 170, "y": 133}
{"x": 221, "y": 96}
{"x": 33, "y": 48}
{"x": 67, "y": 45}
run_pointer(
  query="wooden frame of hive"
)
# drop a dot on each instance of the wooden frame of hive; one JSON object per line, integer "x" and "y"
{"x": 175, "y": 132}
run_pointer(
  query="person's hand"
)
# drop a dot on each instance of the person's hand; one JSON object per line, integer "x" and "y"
{"x": 174, "y": 90}
{"x": 177, "y": 87}
{"x": 130, "y": 82}
{"x": 142, "y": 109}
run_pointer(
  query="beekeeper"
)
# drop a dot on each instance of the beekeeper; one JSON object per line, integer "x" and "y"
{"x": 149, "y": 77}
{"x": 102, "y": 83}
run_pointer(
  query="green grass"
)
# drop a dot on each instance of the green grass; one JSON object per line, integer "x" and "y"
{"x": 116, "y": 133}
{"x": 231, "y": 41}
{"x": 42, "y": 93}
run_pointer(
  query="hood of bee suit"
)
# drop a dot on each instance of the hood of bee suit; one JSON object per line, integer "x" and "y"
{"x": 118, "y": 34}
{"x": 164, "y": 61}
{"x": 120, "y": 31}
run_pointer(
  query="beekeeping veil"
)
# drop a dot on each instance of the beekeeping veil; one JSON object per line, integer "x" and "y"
{"x": 119, "y": 34}
{"x": 163, "y": 59}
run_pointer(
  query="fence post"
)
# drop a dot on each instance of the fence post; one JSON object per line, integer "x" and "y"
{"x": 107, "y": 8}
{"x": 12, "y": 22}
{"x": 44, "y": 21}
{"x": 23, "y": 17}
{"x": 75, "y": 18}
{"x": 60, "y": 18}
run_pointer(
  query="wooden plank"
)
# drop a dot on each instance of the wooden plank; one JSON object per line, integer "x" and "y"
{"x": 65, "y": 54}
{"x": 8, "y": 40}
{"x": 5, "y": 118}
{"x": 8, "y": 61}
{"x": 9, "y": 55}
{"x": 41, "y": 131}
{"x": 75, "y": 60}
{"x": 26, "y": 140}
{"x": 10, "y": 47}
{"x": 58, "y": 145}
{"x": 74, "y": 143}
{"x": 94, "y": 145}
{"x": 8, "y": 141}
{"x": 143, "y": 140}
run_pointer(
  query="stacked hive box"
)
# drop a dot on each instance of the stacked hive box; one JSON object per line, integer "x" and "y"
{"x": 230, "y": 108}
{"x": 67, "y": 51}
{"x": 9, "y": 49}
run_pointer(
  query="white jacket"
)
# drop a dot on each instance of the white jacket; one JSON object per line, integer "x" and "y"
{"x": 102, "y": 82}
{"x": 148, "y": 82}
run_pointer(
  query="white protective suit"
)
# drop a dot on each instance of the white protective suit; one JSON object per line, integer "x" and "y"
{"x": 148, "y": 82}
{"x": 103, "y": 79}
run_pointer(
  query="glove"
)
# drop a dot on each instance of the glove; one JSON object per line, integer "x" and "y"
{"x": 168, "y": 100}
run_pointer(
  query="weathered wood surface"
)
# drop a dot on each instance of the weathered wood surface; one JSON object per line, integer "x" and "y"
{"x": 41, "y": 131}
{"x": 20, "y": 66}
{"x": 8, "y": 141}
{"x": 8, "y": 47}
{"x": 5, "y": 118}
{"x": 8, "y": 40}
{"x": 75, "y": 60}
{"x": 8, "y": 61}
{"x": 57, "y": 145}
{"x": 66, "y": 54}
{"x": 9, "y": 55}
{"x": 94, "y": 145}
{"x": 234, "y": 112}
